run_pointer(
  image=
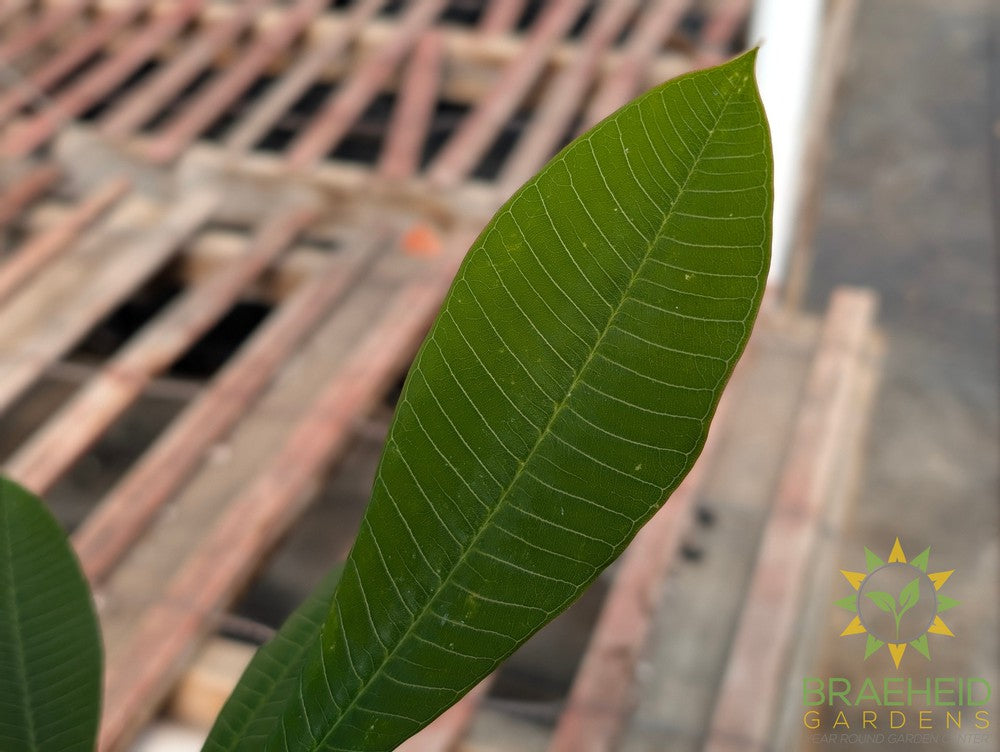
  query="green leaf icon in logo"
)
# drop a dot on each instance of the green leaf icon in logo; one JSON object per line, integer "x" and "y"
{"x": 909, "y": 595}
{"x": 883, "y": 600}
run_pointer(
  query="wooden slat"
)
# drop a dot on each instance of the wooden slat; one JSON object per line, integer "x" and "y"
{"x": 140, "y": 674}
{"x": 216, "y": 249}
{"x": 603, "y": 692}
{"x": 44, "y": 321}
{"x": 334, "y": 120}
{"x": 295, "y": 82}
{"x": 122, "y": 516}
{"x": 753, "y": 682}
{"x": 653, "y": 27}
{"x": 11, "y": 8}
{"x": 53, "y": 449}
{"x": 411, "y": 119}
{"x": 217, "y": 97}
{"x": 474, "y": 59}
{"x": 720, "y": 30}
{"x": 466, "y": 147}
{"x": 70, "y": 57}
{"x": 207, "y": 684}
{"x": 50, "y": 23}
{"x": 25, "y": 189}
{"x": 563, "y": 96}
{"x": 501, "y": 16}
{"x": 133, "y": 111}
{"x": 43, "y": 248}
{"x": 25, "y": 136}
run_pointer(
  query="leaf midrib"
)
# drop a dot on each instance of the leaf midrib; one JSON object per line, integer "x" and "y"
{"x": 18, "y": 646}
{"x": 626, "y": 294}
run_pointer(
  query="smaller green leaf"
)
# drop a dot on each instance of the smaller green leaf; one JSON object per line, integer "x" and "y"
{"x": 873, "y": 644}
{"x": 850, "y": 603}
{"x": 255, "y": 705}
{"x": 50, "y": 645}
{"x": 909, "y": 596}
{"x": 883, "y": 600}
{"x": 944, "y": 603}
{"x": 920, "y": 645}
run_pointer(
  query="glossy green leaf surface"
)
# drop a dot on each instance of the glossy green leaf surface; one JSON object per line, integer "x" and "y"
{"x": 562, "y": 394}
{"x": 50, "y": 645}
{"x": 254, "y": 707}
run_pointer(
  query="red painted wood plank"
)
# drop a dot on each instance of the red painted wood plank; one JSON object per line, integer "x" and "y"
{"x": 122, "y": 516}
{"x": 501, "y": 16}
{"x": 649, "y": 33}
{"x": 334, "y": 121}
{"x": 11, "y": 8}
{"x": 131, "y": 113}
{"x": 68, "y": 59}
{"x": 51, "y": 21}
{"x": 219, "y": 95}
{"x": 53, "y": 449}
{"x": 30, "y": 343}
{"x": 460, "y": 155}
{"x": 26, "y": 136}
{"x": 294, "y": 83}
{"x": 563, "y": 97}
{"x": 411, "y": 120}
{"x": 35, "y": 253}
{"x": 32, "y": 184}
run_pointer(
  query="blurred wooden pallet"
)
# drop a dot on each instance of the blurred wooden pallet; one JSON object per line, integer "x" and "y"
{"x": 164, "y": 163}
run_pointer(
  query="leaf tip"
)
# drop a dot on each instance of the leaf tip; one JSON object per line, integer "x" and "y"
{"x": 745, "y": 63}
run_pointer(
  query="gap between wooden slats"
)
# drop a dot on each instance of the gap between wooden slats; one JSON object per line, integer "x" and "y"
{"x": 53, "y": 449}
{"x": 122, "y": 516}
{"x": 87, "y": 285}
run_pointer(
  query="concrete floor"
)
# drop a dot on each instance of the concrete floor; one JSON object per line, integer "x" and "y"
{"x": 909, "y": 209}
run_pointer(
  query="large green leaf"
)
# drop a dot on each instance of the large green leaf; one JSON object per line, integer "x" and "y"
{"x": 50, "y": 646}
{"x": 562, "y": 394}
{"x": 255, "y": 706}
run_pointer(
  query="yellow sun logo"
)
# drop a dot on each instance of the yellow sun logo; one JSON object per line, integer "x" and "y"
{"x": 897, "y": 603}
